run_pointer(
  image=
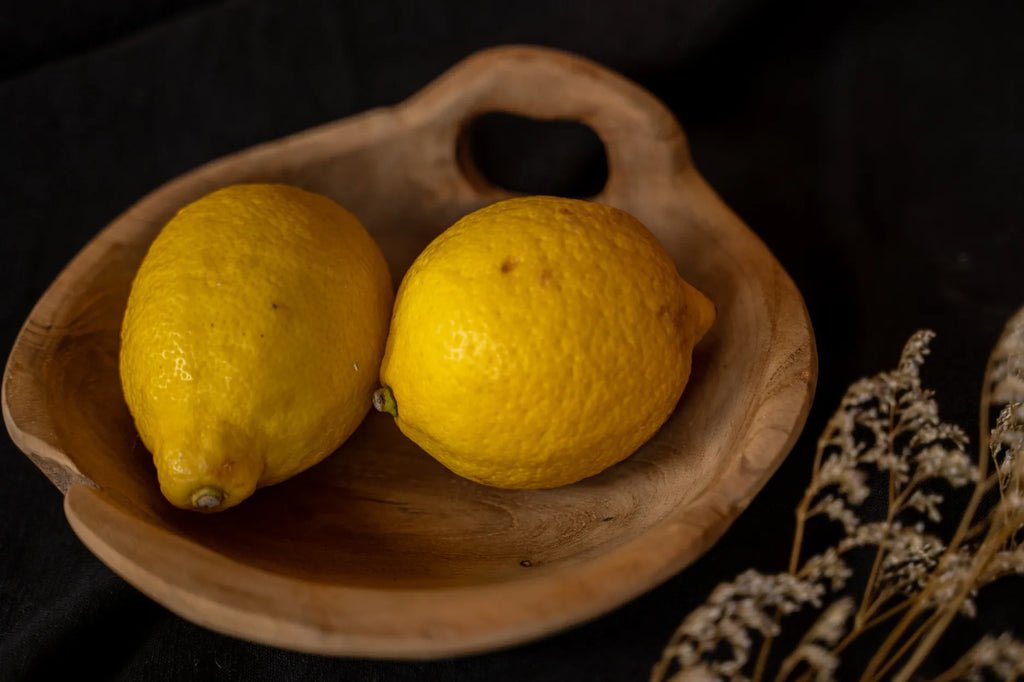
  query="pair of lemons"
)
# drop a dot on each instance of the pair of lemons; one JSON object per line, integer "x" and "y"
{"x": 534, "y": 343}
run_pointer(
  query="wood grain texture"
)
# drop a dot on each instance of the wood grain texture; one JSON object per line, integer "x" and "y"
{"x": 378, "y": 550}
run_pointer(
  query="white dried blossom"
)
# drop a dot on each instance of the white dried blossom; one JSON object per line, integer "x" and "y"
{"x": 893, "y": 463}
{"x": 829, "y": 566}
{"x": 1009, "y": 430}
{"x": 867, "y": 534}
{"x": 1003, "y": 563}
{"x": 841, "y": 470}
{"x": 934, "y": 431}
{"x": 950, "y": 464}
{"x": 910, "y": 557}
{"x": 917, "y": 415}
{"x": 927, "y": 504}
{"x": 859, "y": 391}
{"x": 835, "y": 508}
{"x": 831, "y": 625}
{"x": 914, "y": 352}
{"x": 949, "y": 581}
{"x": 1003, "y": 656}
{"x": 909, "y": 553}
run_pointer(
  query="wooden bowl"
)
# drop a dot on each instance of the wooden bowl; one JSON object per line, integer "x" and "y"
{"x": 379, "y": 550}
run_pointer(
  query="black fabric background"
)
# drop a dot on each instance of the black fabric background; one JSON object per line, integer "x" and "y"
{"x": 876, "y": 147}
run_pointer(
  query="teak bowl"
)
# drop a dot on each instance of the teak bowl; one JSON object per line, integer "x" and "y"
{"x": 379, "y": 550}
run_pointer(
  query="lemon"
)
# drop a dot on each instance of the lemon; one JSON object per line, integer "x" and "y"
{"x": 538, "y": 341}
{"x": 252, "y": 340}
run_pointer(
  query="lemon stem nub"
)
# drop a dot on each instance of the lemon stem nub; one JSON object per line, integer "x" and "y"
{"x": 384, "y": 401}
{"x": 207, "y": 498}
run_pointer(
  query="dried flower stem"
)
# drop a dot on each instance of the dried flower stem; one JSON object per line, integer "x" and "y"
{"x": 762, "y": 656}
{"x": 956, "y": 671}
{"x": 993, "y": 543}
{"x": 794, "y": 556}
{"x": 950, "y": 608}
{"x": 857, "y": 631}
{"x": 804, "y": 507}
{"x": 902, "y": 651}
{"x": 869, "y": 588}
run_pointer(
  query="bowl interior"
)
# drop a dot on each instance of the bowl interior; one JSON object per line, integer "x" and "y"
{"x": 380, "y": 511}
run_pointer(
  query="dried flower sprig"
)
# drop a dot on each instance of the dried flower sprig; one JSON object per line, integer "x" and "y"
{"x": 886, "y": 442}
{"x": 1003, "y": 656}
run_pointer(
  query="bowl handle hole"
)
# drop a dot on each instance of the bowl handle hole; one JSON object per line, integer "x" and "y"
{"x": 530, "y": 156}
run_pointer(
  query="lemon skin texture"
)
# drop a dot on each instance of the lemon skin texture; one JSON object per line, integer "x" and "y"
{"x": 540, "y": 340}
{"x": 252, "y": 339}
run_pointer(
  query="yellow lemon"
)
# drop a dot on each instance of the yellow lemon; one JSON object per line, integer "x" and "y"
{"x": 538, "y": 341}
{"x": 252, "y": 340}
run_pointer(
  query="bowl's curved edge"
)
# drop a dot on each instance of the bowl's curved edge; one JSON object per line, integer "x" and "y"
{"x": 115, "y": 536}
{"x": 54, "y": 464}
